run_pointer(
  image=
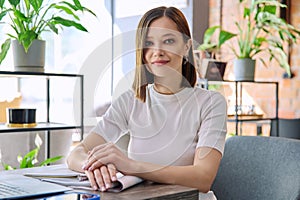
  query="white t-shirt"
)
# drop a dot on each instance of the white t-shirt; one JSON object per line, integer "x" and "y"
{"x": 167, "y": 129}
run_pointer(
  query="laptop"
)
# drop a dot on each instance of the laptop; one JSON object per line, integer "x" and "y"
{"x": 16, "y": 186}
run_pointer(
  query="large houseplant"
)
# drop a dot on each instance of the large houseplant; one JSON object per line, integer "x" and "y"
{"x": 261, "y": 30}
{"x": 30, "y": 18}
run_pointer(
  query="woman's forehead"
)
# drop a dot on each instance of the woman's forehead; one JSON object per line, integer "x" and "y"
{"x": 163, "y": 27}
{"x": 163, "y": 24}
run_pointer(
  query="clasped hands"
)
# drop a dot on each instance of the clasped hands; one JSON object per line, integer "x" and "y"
{"x": 103, "y": 163}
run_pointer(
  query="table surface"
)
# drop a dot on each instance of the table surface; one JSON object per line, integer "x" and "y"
{"x": 144, "y": 190}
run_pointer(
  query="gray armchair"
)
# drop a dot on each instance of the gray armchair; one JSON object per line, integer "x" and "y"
{"x": 259, "y": 168}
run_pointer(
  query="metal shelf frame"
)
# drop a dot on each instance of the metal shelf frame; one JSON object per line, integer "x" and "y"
{"x": 47, "y": 126}
{"x": 204, "y": 83}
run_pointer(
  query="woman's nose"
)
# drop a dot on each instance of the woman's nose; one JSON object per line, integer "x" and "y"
{"x": 158, "y": 51}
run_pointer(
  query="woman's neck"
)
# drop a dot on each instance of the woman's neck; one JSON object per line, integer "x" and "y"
{"x": 167, "y": 86}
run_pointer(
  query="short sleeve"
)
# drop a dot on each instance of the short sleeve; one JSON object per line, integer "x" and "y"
{"x": 114, "y": 123}
{"x": 213, "y": 126}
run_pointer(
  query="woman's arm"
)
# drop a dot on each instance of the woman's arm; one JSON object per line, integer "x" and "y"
{"x": 79, "y": 155}
{"x": 200, "y": 175}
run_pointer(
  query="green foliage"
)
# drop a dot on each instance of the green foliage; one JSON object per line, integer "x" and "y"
{"x": 214, "y": 87}
{"x": 30, "y": 18}
{"x": 262, "y": 30}
{"x": 30, "y": 159}
{"x": 212, "y": 46}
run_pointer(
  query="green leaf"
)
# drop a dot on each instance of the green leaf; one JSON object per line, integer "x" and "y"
{"x": 36, "y": 4}
{"x": 27, "y": 160}
{"x": 8, "y": 167}
{"x": 4, "y": 49}
{"x": 88, "y": 10}
{"x": 14, "y": 2}
{"x": 2, "y": 3}
{"x": 27, "y": 38}
{"x": 67, "y": 10}
{"x": 27, "y": 4}
{"x": 52, "y": 27}
{"x": 209, "y": 33}
{"x": 50, "y": 160}
{"x": 20, "y": 16}
{"x": 224, "y": 36}
{"x": 70, "y": 5}
{"x": 270, "y": 9}
{"x": 246, "y": 12}
{"x": 68, "y": 23}
{"x": 3, "y": 13}
{"x": 75, "y": 8}
{"x": 208, "y": 47}
{"x": 78, "y": 5}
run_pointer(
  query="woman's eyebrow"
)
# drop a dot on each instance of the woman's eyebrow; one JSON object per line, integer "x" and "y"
{"x": 164, "y": 35}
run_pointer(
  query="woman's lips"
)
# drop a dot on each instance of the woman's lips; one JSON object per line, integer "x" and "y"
{"x": 160, "y": 62}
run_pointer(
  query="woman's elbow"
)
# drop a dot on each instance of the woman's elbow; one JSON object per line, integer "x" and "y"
{"x": 71, "y": 161}
{"x": 204, "y": 188}
{"x": 206, "y": 182}
{"x": 76, "y": 158}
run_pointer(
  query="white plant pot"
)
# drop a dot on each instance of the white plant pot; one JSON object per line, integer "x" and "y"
{"x": 33, "y": 60}
{"x": 244, "y": 69}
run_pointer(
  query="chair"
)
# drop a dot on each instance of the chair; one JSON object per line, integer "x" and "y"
{"x": 289, "y": 128}
{"x": 259, "y": 168}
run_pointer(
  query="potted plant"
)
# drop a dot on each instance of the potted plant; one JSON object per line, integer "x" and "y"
{"x": 29, "y": 19}
{"x": 261, "y": 30}
{"x": 214, "y": 37}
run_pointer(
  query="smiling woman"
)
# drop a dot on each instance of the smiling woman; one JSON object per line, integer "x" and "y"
{"x": 164, "y": 52}
{"x": 177, "y": 131}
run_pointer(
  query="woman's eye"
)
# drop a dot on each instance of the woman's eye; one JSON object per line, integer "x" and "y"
{"x": 148, "y": 43}
{"x": 169, "y": 41}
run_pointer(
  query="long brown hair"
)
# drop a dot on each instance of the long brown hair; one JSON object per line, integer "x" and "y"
{"x": 142, "y": 76}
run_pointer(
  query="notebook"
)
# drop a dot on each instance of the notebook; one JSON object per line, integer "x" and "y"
{"x": 14, "y": 186}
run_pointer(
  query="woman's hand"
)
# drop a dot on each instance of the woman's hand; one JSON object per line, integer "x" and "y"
{"x": 106, "y": 154}
{"x": 102, "y": 178}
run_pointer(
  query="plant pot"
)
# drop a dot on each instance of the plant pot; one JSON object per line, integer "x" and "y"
{"x": 33, "y": 60}
{"x": 244, "y": 69}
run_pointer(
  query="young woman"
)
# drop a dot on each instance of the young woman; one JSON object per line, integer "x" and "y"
{"x": 177, "y": 131}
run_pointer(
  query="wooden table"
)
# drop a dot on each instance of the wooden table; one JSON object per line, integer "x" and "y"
{"x": 145, "y": 190}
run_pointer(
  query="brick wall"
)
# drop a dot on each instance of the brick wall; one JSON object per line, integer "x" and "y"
{"x": 289, "y": 89}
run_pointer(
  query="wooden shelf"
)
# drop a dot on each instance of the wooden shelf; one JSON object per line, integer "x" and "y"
{"x": 246, "y": 116}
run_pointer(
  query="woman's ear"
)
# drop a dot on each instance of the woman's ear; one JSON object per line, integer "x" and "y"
{"x": 188, "y": 46}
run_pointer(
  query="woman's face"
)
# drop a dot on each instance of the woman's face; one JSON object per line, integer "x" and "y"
{"x": 164, "y": 48}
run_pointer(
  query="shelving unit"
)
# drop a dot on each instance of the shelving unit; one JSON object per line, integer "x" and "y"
{"x": 240, "y": 118}
{"x": 47, "y": 126}
{"x": 254, "y": 118}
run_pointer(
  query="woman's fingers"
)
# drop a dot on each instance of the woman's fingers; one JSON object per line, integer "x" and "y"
{"x": 92, "y": 179}
{"x": 101, "y": 178}
{"x": 95, "y": 162}
{"x": 98, "y": 148}
{"x": 112, "y": 172}
{"x": 97, "y": 157}
{"x": 105, "y": 178}
{"x": 98, "y": 152}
